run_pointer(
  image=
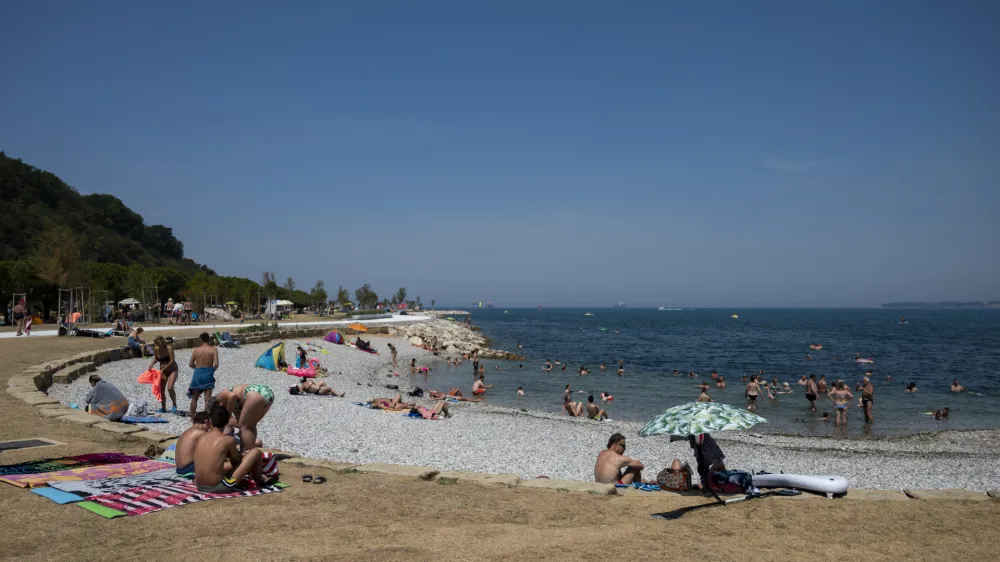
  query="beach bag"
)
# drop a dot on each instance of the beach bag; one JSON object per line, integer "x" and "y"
{"x": 731, "y": 481}
{"x": 676, "y": 480}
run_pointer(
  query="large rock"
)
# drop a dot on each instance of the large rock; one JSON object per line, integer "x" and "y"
{"x": 416, "y": 341}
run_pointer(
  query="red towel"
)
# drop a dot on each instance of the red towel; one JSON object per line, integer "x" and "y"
{"x": 152, "y": 376}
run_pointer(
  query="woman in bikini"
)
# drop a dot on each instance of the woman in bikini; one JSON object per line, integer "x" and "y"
{"x": 842, "y": 399}
{"x": 163, "y": 353}
{"x": 248, "y": 404}
{"x": 392, "y": 404}
{"x": 307, "y": 386}
{"x": 753, "y": 390}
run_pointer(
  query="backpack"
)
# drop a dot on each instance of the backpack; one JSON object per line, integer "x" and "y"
{"x": 731, "y": 482}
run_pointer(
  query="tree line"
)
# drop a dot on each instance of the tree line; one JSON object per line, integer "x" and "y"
{"x": 52, "y": 237}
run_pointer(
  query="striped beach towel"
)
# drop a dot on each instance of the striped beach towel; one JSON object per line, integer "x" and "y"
{"x": 86, "y": 473}
{"x": 142, "y": 500}
{"x": 66, "y": 463}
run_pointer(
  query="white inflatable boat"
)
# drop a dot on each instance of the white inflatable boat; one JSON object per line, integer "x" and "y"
{"x": 829, "y": 485}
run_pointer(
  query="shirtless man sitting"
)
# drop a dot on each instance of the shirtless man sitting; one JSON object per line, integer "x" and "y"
{"x": 594, "y": 412}
{"x": 211, "y": 452}
{"x": 613, "y": 467}
{"x": 184, "y": 450}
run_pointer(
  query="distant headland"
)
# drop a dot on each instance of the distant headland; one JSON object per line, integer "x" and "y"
{"x": 945, "y": 304}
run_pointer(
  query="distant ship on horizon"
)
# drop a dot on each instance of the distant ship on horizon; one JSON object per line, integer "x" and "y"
{"x": 620, "y": 305}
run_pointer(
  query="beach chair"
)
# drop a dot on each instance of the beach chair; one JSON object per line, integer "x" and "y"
{"x": 222, "y": 341}
{"x": 229, "y": 339}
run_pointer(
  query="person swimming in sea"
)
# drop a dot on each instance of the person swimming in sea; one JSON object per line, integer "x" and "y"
{"x": 520, "y": 391}
{"x": 721, "y": 382}
{"x": 584, "y": 371}
{"x": 955, "y": 387}
{"x": 547, "y": 366}
{"x": 604, "y": 366}
{"x": 715, "y": 375}
{"x": 912, "y": 387}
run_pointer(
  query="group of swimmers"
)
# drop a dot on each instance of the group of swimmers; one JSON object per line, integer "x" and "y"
{"x": 550, "y": 365}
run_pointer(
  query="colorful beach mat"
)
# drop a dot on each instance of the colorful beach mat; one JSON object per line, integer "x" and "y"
{"x": 66, "y": 463}
{"x": 142, "y": 500}
{"x": 73, "y": 491}
{"x": 87, "y": 473}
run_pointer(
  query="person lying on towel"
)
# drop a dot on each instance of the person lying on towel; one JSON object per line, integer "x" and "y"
{"x": 363, "y": 345}
{"x": 392, "y": 404}
{"x": 307, "y": 386}
{"x": 211, "y": 452}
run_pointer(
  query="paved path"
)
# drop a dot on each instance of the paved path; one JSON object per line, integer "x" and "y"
{"x": 164, "y": 327}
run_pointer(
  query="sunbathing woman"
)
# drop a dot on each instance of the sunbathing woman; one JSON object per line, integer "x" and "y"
{"x": 248, "y": 404}
{"x": 439, "y": 409}
{"x": 391, "y": 404}
{"x": 307, "y": 386}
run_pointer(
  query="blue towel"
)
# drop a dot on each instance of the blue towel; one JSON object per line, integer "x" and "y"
{"x": 202, "y": 379}
{"x": 58, "y": 496}
{"x": 143, "y": 419}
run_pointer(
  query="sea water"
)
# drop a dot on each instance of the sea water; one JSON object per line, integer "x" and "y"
{"x": 932, "y": 348}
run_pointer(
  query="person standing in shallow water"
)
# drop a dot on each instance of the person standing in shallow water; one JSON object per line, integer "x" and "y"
{"x": 811, "y": 392}
{"x": 867, "y": 399}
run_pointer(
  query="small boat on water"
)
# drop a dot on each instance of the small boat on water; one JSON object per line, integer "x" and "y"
{"x": 587, "y": 314}
{"x": 736, "y": 316}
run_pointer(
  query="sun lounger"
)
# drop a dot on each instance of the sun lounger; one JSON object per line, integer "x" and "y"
{"x": 222, "y": 341}
{"x": 229, "y": 339}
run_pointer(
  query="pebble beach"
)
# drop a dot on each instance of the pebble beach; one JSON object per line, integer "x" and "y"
{"x": 484, "y": 438}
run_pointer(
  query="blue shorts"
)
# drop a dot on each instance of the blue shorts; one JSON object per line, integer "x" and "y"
{"x": 186, "y": 470}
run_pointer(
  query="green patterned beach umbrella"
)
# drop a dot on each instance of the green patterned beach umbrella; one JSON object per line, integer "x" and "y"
{"x": 700, "y": 417}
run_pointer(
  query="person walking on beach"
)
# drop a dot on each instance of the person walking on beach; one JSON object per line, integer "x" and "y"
{"x": 204, "y": 361}
{"x": 20, "y": 313}
{"x": 475, "y": 362}
{"x": 811, "y": 392}
{"x": 392, "y": 349}
{"x": 867, "y": 398}
{"x": 842, "y": 399}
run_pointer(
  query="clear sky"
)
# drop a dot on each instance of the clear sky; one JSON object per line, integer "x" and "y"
{"x": 557, "y": 153}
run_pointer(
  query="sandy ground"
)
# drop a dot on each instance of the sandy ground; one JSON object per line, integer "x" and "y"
{"x": 364, "y": 517}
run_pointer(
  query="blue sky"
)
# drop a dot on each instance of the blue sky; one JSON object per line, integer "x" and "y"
{"x": 726, "y": 154}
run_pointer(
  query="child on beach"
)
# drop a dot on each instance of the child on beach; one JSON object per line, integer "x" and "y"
{"x": 520, "y": 391}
